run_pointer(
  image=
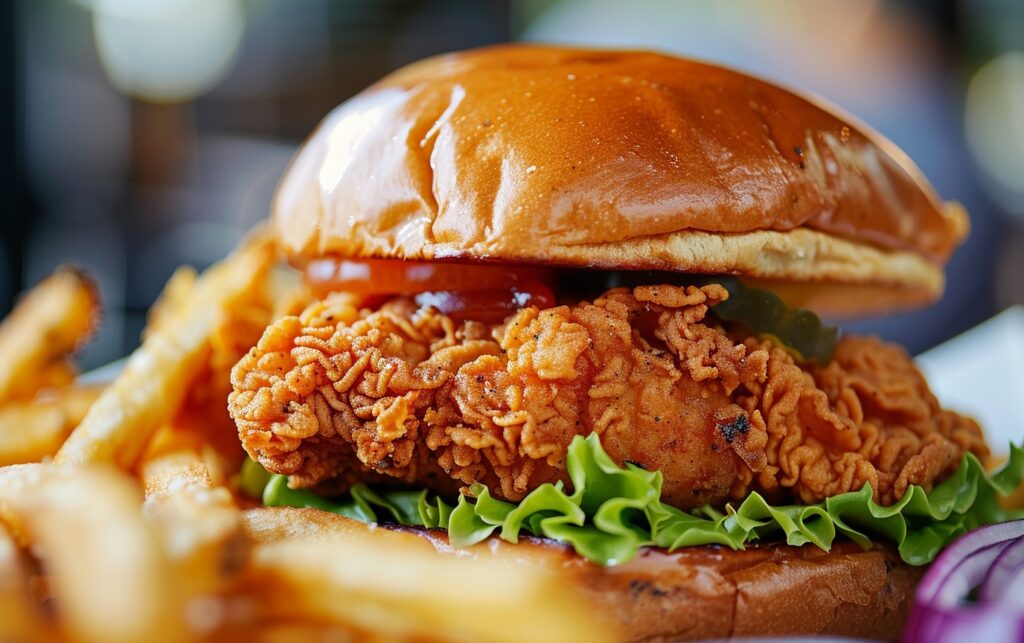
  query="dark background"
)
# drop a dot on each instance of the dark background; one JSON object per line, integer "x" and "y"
{"x": 142, "y": 134}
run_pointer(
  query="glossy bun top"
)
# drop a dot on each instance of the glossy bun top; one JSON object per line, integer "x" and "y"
{"x": 631, "y": 160}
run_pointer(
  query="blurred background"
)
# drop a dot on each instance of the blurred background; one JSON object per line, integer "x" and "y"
{"x": 143, "y": 134}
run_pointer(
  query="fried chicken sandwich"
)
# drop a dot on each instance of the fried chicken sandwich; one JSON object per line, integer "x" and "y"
{"x": 563, "y": 303}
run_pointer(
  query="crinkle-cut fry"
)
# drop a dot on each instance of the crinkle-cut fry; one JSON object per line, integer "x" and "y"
{"x": 401, "y": 589}
{"x": 104, "y": 563}
{"x": 157, "y": 375}
{"x": 198, "y": 522}
{"x": 174, "y": 295}
{"x": 50, "y": 321}
{"x": 31, "y": 431}
{"x": 20, "y": 618}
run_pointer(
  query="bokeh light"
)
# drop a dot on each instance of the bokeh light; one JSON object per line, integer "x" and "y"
{"x": 994, "y": 123}
{"x": 167, "y": 50}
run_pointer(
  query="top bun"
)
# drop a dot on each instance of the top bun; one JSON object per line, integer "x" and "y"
{"x": 611, "y": 159}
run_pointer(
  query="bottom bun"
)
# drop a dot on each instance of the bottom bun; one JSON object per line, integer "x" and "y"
{"x": 696, "y": 592}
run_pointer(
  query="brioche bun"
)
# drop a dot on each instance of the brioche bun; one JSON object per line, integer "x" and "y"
{"x": 689, "y": 594}
{"x": 623, "y": 160}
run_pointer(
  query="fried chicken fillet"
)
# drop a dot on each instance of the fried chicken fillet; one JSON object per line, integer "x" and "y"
{"x": 405, "y": 393}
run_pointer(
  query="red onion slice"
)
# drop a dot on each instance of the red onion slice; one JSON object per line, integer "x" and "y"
{"x": 1004, "y": 581}
{"x": 968, "y": 573}
{"x": 973, "y": 624}
{"x": 954, "y": 556}
{"x": 993, "y": 556}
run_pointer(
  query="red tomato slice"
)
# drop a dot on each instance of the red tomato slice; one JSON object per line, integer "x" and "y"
{"x": 488, "y": 306}
{"x": 395, "y": 277}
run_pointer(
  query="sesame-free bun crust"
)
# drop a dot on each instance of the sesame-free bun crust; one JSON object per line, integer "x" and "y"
{"x": 690, "y": 594}
{"x": 626, "y": 160}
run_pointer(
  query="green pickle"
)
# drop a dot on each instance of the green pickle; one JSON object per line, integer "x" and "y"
{"x": 798, "y": 330}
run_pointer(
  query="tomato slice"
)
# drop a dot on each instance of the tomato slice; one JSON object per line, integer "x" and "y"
{"x": 488, "y": 306}
{"x": 396, "y": 277}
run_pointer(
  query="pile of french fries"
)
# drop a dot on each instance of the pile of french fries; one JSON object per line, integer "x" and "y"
{"x": 119, "y": 516}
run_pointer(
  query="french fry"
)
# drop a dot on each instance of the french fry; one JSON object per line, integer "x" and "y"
{"x": 189, "y": 432}
{"x": 198, "y": 523}
{"x": 20, "y": 617}
{"x": 269, "y": 525}
{"x": 238, "y": 328}
{"x": 291, "y": 631}
{"x": 49, "y": 322}
{"x": 174, "y": 295}
{"x": 31, "y": 431}
{"x": 105, "y": 565}
{"x": 288, "y": 293}
{"x": 156, "y": 377}
{"x": 59, "y": 373}
{"x": 400, "y": 589}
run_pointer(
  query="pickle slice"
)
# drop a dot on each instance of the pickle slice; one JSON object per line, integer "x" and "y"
{"x": 798, "y": 330}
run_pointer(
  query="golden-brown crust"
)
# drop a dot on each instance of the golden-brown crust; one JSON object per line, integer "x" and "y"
{"x": 410, "y": 393}
{"x": 694, "y": 592}
{"x": 629, "y": 159}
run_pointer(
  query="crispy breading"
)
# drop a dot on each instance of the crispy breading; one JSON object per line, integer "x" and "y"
{"x": 407, "y": 392}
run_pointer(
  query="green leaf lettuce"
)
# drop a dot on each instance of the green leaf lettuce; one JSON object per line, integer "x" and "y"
{"x": 613, "y": 511}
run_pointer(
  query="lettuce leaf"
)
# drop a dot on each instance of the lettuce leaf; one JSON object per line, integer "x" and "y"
{"x": 613, "y": 511}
